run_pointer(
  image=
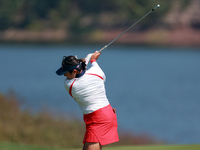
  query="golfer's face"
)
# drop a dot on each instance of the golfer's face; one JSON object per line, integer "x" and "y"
{"x": 70, "y": 75}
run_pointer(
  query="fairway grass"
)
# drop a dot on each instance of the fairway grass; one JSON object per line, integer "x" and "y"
{"x": 156, "y": 147}
{"x": 11, "y": 146}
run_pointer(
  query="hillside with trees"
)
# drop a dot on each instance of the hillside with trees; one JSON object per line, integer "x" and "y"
{"x": 100, "y": 21}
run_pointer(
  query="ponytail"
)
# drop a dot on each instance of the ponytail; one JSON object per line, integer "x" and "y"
{"x": 82, "y": 63}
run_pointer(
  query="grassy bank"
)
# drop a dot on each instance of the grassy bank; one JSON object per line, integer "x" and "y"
{"x": 11, "y": 146}
{"x": 17, "y": 126}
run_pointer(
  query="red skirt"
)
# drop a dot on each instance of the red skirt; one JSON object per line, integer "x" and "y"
{"x": 101, "y": 126}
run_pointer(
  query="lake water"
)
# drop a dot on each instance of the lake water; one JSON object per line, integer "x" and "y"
{"x": 156, "y": 90}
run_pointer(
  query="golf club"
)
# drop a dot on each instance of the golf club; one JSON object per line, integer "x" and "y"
{"x": 128, "y": 29}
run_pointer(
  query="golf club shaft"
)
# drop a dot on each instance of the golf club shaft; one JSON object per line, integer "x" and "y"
{"x": 128, "y": 29}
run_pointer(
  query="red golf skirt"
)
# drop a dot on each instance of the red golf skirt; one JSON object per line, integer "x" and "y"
{"x": 101, "y": 126}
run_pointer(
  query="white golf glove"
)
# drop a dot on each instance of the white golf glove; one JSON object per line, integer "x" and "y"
{"x": 88, "y": 57}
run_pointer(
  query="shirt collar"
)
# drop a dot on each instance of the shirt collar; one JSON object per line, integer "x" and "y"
{"x": 80, "y": 74}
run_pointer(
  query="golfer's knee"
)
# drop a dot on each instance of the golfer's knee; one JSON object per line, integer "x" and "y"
{"x": 92, "y": 146}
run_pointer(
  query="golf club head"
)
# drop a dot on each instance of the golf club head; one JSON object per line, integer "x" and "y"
{"x": 158, "y": 6}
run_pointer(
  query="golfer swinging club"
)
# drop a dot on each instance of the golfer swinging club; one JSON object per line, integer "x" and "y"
{"x": 88, "y": 90}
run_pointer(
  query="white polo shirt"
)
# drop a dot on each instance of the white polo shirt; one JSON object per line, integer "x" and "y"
{"x": 89, "y": 89}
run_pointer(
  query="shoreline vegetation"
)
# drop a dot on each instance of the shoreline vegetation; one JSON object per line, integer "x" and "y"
{"x": 178, "y": 37}
{"x": 44, "y": 129}
{"x": 182, "y": 37}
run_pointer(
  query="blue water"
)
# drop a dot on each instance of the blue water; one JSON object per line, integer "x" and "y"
{"x": 156, "y": 90}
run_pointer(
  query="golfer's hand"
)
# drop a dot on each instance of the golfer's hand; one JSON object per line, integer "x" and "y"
{"x": 95, "y": 55}
{"x": 88, "y": 58}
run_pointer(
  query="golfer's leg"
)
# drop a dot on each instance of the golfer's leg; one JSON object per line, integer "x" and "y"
{"x": 92, "y": 146}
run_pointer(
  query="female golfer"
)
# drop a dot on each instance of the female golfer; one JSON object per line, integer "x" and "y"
{"x": 88, "y": 90}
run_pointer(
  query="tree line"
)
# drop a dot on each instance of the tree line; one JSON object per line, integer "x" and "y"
{"x": 80, "y": 15}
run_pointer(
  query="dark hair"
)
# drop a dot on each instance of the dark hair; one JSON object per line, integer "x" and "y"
{"x": 71, "y": 60}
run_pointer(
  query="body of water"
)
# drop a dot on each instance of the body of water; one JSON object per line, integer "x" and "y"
{"x": 156, "y": 90}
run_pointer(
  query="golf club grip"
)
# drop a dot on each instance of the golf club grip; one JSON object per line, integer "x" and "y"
{"x": 103, "y": 48}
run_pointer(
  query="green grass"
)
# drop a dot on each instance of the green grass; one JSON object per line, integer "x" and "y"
{"x": 11, "y": 146}
{"x": 161, "y": 147}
